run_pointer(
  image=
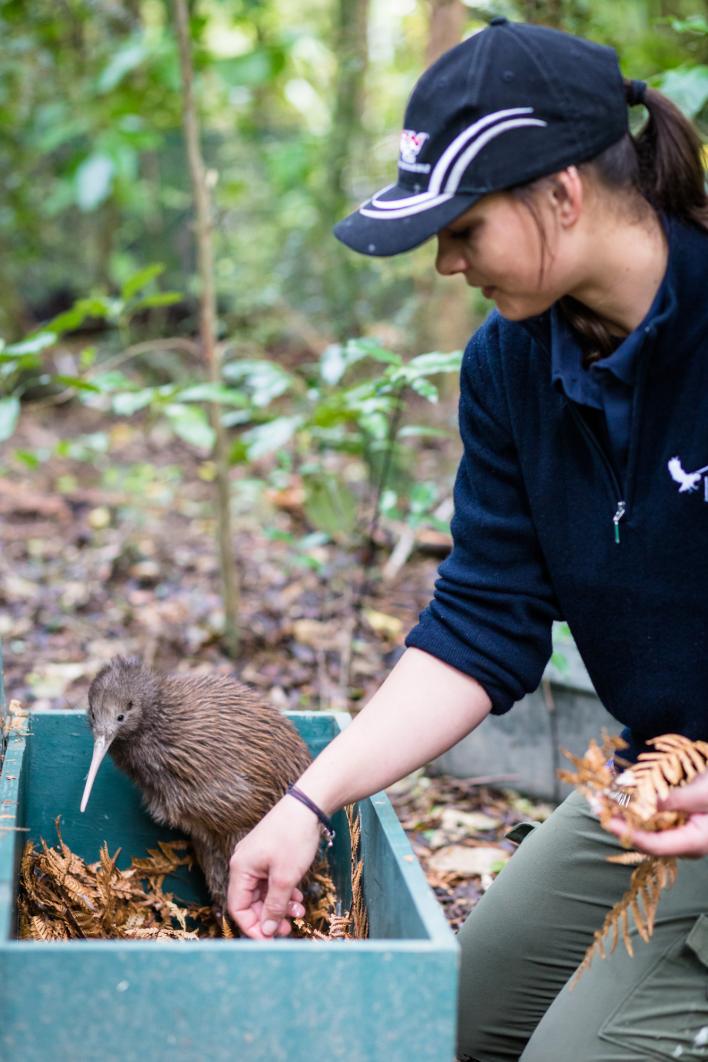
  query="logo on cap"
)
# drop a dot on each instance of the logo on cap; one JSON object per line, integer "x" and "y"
{"x": 411, "y": 146}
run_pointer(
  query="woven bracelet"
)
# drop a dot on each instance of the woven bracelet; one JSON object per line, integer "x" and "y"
{"x": 326, "y": 822}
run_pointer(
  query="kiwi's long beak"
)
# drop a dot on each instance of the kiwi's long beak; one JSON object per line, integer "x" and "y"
{"x": 100, "y": 748}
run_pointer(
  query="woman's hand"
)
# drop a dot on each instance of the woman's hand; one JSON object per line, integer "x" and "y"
{"x": 266, "y": 867}
{"x": 691, "y": 839}
{"x": 398, "y": 723}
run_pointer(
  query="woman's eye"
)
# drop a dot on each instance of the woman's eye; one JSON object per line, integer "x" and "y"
{"x": 120, "y": 717}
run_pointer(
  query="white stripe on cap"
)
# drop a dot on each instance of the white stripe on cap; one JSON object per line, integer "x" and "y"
{"x": 454, "y": 148}
{"x": 473, "y": 150}
{"x": 406, "y": 211}
{"x": 454, "y": 153}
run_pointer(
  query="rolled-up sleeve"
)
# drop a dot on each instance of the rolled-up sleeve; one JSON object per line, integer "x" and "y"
{"x": 493, "y": 606}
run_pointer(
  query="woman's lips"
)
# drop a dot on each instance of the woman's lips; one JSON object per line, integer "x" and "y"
{"x": 488, "y": 291}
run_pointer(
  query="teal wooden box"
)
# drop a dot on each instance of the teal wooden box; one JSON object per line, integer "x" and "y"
{"x": 391, "y": 998}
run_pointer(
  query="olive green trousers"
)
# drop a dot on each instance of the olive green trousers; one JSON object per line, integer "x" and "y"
{"x": 526, "y": 937}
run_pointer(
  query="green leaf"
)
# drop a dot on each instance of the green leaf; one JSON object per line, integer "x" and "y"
{"x": 140, "y": 280}
{"x": 265, "y": 438}
{"x": 423, "y": 497}
{"x": 68, "y": 320}
{"x": 28, "y": 458}
{"x": 232, "y": 420}
{"x": 422, "y": 431}
{"x": 127, "y": 58}
{"x": 252, "y": 69}
{"x": 436, "y": 362}
{"x": 9, "y": 414}
{"x": 333, "y": 364}
{"x": 424, "y": 388}
{"x": 78, "y": 383}
{"x": 159, "y": 298}
{"x": 93, "y": 181}
{"x": 101, "y": 306}
{"x": 692, "y": 24}
{"x": 191, "y": 424}
{"x": 356, "y": 349}
{"x": 330, "y": 506}
{"x": 265, "y": 379}
{"x": 33, "y": 345}
{"x": 126, "y": 403}
{"x": 83, "y": 447}
{"x": 209, "y": 392}
{"x": 687, "y": 86}
{"x": 559, "y": 661}
{"x": 108, "y": 382}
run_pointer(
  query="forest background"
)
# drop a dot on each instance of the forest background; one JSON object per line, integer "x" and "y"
{"x": 297, "y": 435}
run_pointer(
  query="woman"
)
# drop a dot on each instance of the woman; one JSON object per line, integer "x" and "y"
{"x": 581, "y": 494}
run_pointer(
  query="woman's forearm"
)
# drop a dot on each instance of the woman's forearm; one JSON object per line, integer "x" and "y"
{"x": 422, "y": 708}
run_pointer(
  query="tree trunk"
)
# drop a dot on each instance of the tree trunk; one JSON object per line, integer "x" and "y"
{"x": 351, "y": 50}
{"x": 350, "y": 46}
{"x": 545, "y": 12}
{"x": 447, "y": 22}
{"x": 443, "y": 318}
{"x": 207, "y": 326}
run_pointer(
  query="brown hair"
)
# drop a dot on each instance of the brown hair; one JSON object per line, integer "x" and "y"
{"x": 661, "y": 168}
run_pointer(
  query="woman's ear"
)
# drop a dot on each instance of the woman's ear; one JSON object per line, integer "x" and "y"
{"x": 567, "y": 198}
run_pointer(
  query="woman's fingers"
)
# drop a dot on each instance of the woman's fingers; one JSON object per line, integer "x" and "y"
{"x": 275, "y": 906}
{"x": 689, "y": 840}
{"x": 690, "y": 797}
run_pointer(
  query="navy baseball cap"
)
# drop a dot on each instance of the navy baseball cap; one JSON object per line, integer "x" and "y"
{"x": 510, "y": 104}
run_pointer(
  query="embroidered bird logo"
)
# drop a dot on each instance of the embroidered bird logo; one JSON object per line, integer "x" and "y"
{"x": 689, "y": 480}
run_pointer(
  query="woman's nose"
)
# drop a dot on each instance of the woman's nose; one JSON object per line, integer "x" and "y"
{"x": 449, "y": 258}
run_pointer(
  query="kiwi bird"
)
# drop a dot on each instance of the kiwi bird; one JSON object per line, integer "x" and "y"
{"x": 209, "y": 756}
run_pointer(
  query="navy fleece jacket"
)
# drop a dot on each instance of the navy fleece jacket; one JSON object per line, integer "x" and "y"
{"x": 545, "y": 528}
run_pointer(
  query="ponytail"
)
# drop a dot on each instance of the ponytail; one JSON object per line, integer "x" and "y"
{"x": 662, "y": 166}
{"x": 670, "y": 161}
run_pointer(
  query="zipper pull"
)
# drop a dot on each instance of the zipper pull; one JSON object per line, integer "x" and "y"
{"x": 621, "y": 510}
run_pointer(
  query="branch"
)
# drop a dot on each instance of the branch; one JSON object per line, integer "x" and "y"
{"x": 207, "y": 323}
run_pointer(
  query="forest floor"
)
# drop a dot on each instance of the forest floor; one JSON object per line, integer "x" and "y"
{"x": 115, "y": 553}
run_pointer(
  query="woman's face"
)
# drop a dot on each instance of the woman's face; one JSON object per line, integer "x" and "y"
{"x": 498, "y": 247}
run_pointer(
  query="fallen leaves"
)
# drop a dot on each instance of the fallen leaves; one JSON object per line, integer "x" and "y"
{"x": 61, "y": 897}
{"x": 465, "y": 861}
{"x": 381, "y": 623}
{"x": 64, "y": 898}
{"x": 457, "y": 828}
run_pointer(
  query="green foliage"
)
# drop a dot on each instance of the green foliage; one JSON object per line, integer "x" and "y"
{"x": 352, "y": 402}
{"x": 26, "y": 364}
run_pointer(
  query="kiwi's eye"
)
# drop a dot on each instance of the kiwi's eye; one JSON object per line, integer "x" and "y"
{"x": 120, "y": 717}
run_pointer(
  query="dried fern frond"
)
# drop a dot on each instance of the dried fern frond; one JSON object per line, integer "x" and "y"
{"x": 61, "y": 897}
{"x": 676, "y": 761}
{"x": 633, "y": 796}
{"x": 359, "y": 914}
{"x": 648, "y": 880}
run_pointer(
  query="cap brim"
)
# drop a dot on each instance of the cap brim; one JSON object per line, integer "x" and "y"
{"x": 396, "y": 220}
